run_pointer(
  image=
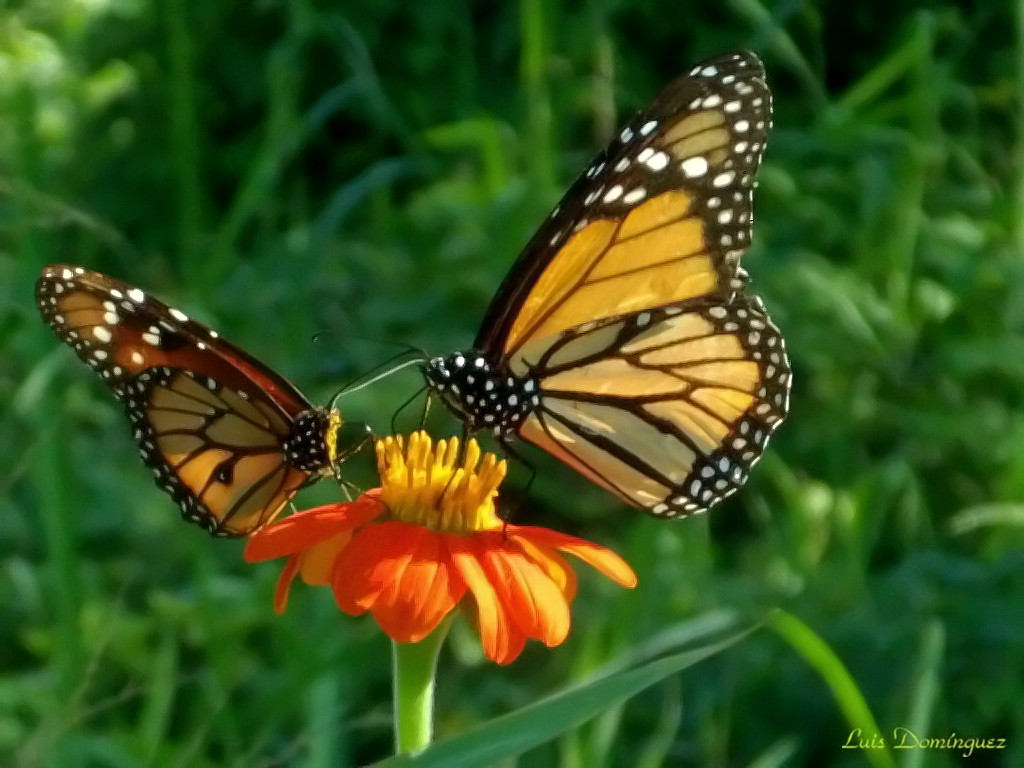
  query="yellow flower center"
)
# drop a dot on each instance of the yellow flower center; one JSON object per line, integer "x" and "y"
{"x": 428, "y": 486}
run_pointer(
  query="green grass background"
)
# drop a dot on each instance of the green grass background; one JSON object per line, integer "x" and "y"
{"x": 365, "y": 173}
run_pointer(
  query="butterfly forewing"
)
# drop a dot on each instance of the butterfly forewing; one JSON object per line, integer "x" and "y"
{"x": 662, "y": 215}
{"x": 119, "y": 330}
{"x": 229, "y": 439}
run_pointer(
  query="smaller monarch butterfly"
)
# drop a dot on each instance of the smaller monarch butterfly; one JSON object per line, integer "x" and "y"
{"x": 623, "y": 341}
{"x": 228, "y": 438}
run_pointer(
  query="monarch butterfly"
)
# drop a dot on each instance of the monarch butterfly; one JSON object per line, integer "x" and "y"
{"x": 229, "y": 439}
{"x": 623, "y": 341}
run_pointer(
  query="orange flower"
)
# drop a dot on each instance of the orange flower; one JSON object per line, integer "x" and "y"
{"x": 411, "y": 550}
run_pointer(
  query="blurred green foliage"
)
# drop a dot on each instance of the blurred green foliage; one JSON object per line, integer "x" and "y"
{"x": 365, "y": 174}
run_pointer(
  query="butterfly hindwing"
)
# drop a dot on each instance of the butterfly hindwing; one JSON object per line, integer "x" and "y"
{"x": 219, "y": 455}
{"x": 229, "y": 439}
{"x": 667, "y": 409}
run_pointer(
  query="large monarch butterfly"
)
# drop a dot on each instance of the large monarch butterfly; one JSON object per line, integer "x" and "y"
{"x": 622, "y": 341}
{"x": 229, "y": 439}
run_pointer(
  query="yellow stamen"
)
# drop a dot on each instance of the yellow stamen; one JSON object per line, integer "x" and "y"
{"x": 422, "y": 485}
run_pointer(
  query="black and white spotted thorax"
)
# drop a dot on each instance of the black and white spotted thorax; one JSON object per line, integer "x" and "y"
{"x": 484, "y": 398}
{"x": 306, "y": 448}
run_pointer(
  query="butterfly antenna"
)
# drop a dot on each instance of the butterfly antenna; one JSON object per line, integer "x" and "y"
{"x": 380, "y": 372}
{"x": 406, "y": 347}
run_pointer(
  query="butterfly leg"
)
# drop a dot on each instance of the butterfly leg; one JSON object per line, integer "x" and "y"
{"x": 353, "y": 443}
{"x": 406, "y": 404}
{"x": 426, "y": 407}
{"x": 349, "y": 490}
{"x": 514, "y": 455}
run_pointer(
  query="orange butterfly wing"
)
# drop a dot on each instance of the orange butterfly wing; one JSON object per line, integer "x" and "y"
{"x": 229, "y": 439}
{"x": 667, "y": 409}
{"x": 663, "y": 214}
{"x": 623, "y": 341}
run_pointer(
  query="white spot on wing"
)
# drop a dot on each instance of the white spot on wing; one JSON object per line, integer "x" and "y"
{"x": 634, "y": 196}
{"x": 658, "y": 161}
{"x": 723, "y": 179}
{"x": 694, "y": 166}
{"x": 613, "y": 194}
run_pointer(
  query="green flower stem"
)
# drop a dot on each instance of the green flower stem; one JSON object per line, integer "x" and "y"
{"x": 413, "y": 667}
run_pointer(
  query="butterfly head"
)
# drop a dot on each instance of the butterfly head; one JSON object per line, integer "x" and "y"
{"x": 482, "y": 397}
{"x": 334, "y": 424}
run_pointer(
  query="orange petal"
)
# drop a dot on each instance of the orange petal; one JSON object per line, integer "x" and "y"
{"x": 369, "y": 564}
{"x": 303, "y": 529}
{"x": 316, "y": 564}
{"x": 284, "y": 583}
{"x": 532, "y": 599}
{"x": 501, "y": 639}
{"x": 594, "y": 555}
{"x": 556, "y": 566}
{"x": 515, "y": 642}
{"x": 425, "y": 591}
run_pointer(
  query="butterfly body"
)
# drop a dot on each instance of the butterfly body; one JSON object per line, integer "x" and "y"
{"x": 623, "y": 341}
{"x": 229, "y": 439}
{"x": 484, "y": 398}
